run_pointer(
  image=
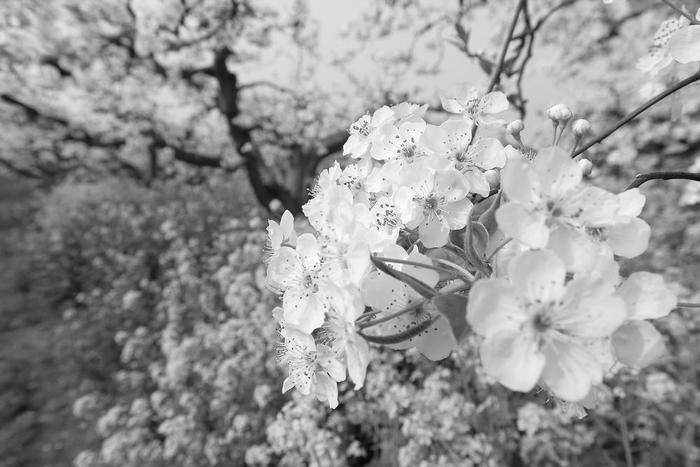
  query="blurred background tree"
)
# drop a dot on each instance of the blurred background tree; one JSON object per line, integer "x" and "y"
{"x": 149, "y": 89}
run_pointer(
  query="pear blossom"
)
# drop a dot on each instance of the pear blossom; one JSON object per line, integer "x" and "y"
{"x": 400, "y": 143}
{"x": 659, "y": 55}
{"x": 365, "y": 130}
{"x": 282, "y": 233}
{"x": 312, "y": 368}
{"x": 299, "y": 274}
{"x": 340, "y": 332}
{"x": 475, "y": 106}
{"x": 637, "y": 343}
{"x": 548, "y": 207}
{"x": 535, "y": 325}
{"x": 435, "y": 203}
{"x": 452, "y": 143}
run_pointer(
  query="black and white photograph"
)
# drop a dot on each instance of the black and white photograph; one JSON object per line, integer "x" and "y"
{"x": 349, "y": 233}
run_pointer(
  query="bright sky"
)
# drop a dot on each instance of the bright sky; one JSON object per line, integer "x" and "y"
{"x": 333, "y": 16}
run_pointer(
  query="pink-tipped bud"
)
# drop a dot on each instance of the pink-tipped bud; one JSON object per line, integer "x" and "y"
{"x": 586, "y": 166}
{"x": 559, "y": 113}
{"x": 581, "y": 128}
{"x": 493, "y": 177}
{"x": 514, "y": 128}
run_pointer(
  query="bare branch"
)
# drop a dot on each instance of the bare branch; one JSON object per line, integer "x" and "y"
{"x": 632, "y": 115}
{"x": 681, "y": 11}
{"x": 670, "y": 175}
{"x": 496, "y": 75}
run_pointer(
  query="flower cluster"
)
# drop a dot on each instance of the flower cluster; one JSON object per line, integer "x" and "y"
{"x": 428, "y": 231}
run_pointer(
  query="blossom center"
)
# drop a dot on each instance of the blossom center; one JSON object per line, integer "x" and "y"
{"x": 430, "y": 203}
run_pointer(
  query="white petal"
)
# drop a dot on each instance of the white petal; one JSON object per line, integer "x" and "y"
{"x": 493, "y": 307}
{"x": 638, "y": 344}
{"x": 458, "y": 134}
{"x": 647, "y": 296}
{"x": 308, "y": 250}
{"x": 538, "y": 276}
{"x": 578, "y": 250}
{"x": 631, "y": 202}
{"x": 490, "y": 154}
{"x": 456, "y": 213}
{"x": 520, "y": 183}
{"x": 434, "y": 231}
{"x": 570, "y": 370}
{"x": 478, "y": 183}
{"x": 384, "y": 293}
{"x": 429, "y": 276}
{"x": 525, "y": 225}
{"x": 437, "y": 341}
{"x": 287, "y": 384}
{"x": 513, "y": 359}
{"x": 302, "y": 310}
{"x": 357, "y": 356}
{"x": 451, "y": 105}
{"x": 331, "y": 365}
{"x": 557, "y": 172}
{"x": 629, "y": 239}
{"x": 592, "y": 317}
{"x": 494, "y": 102}
{"x": 435, "y": 139}
{"x": 684, "y": 45}
{"x": 327, "y": 390}
{"x": 451, "y": 186}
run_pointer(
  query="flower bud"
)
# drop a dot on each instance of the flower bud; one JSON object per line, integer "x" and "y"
{"x": 581, "y": 128}
{"x": 586, "y": 166}
{"x": 515, "y": 127}
{"x": 493, "y": 177}
{"x": 559, "y": 113}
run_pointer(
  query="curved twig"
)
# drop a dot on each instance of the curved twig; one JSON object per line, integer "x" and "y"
{"x": 669, "y": 175}
{"x": 635, "y": 113}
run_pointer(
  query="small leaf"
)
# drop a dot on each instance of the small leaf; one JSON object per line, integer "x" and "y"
{"x": 488, "y": 217}
{"x": 454, "y": 308}
{"x": 419, "y": 286}
{"x": 462, "y": 33}
{"x": 443, "y": 253}
{"x": 475, "y": 243}
{"x": 402, "y": 336}
{"x": 480, "y": 238}
{"x": 481, "y": 207}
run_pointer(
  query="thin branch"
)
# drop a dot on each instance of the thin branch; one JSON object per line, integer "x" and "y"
{"x": 681, "y": 11}
{"x": 496, "y": 75}
{"x": 268, "y": 84}
{"x": 17, "y": 170}
{"x": 643, "y": 178}
{"x": 632, "y": 115}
